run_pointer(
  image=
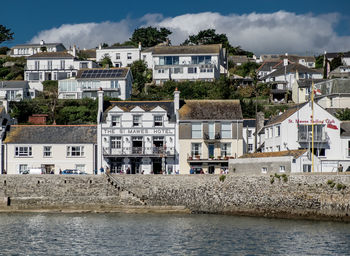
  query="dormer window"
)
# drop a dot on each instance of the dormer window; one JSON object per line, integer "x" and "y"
{"x": 158, "y": 121}
{"x": 116, "y": 121}
{"x": 136, "y": 121}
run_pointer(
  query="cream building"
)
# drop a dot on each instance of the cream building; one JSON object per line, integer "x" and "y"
{"x": 210, "y": 132}
{"x": 50, "y": 147}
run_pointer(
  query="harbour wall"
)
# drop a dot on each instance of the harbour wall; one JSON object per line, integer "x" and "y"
{"x": 323, "y": 196}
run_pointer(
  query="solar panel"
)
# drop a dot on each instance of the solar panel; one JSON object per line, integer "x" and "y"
{"x": 102, "y": 73}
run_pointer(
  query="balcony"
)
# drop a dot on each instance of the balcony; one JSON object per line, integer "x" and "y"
{"x": 199, "y": 158}
{"x": 140, "y": 151}
{"x": 47, "y": 68}
{"x": 306, "y": 137}
{"x": 216, "y": 137}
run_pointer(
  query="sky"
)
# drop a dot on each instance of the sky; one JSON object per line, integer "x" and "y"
{"x": 306, "y": 27}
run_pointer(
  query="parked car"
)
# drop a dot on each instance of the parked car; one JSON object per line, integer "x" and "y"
{"x": 34, "y": 171}
{"x": 73, "y": 171}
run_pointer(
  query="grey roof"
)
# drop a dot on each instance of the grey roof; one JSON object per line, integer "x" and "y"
{"x": 287, "y": 113}
{"x": 307, "y": 83}
{"x": 121, "y": 47}
{"x": 51, "y": 55}
{"x": 251, "y": 122}
{"x": 187, "y": 49}
{"x": 268, "y": 65}
{"x": 211, "y": 110}
{"x": 292, "y": 68}
{"x": 14, "y": 84}
{"x": 36, "y": 45}
{"x": 52, "y": 134}
{"x": 332, "y": 55}
{"x": 345, "y": 128}
{"x": 334, "y": 86}
{"x": 147, "y": 106}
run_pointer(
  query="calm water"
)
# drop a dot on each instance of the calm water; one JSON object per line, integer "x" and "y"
{"x": 151, "y": 234}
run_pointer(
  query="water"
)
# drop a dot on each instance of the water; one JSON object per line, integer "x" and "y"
{"x": 153, "y": 234}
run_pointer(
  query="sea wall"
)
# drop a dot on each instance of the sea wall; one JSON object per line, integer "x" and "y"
{"x": 297, "y": 196}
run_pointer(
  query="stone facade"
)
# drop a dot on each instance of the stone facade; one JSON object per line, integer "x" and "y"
{"x": 301, "y": 196}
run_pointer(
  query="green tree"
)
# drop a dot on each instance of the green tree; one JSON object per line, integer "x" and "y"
{"x": 106, "y": 61}
{"x": 150, "y": 36}
{"x": 126, "y": 43}
{"x": 245, "y": 69}
{"x": 319, "y": 61}
{"x": 5, "y": 34}
{"x": 3, "y": 50}
{"x": 141, "y": 75}
{"x": 343, "y": 115}
{"x": 336, "y": 62}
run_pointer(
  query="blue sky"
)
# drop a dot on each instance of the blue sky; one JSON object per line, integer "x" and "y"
{"x": 29, "y": 18}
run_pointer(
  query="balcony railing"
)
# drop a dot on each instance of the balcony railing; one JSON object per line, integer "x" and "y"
{"x": 149, "y": 151}
{"x": 318, "y": 137}
{"x": 46, "y": 67}
{"x": 217, "y": 136}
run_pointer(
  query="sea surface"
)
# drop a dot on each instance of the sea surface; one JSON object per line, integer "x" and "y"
{"x": 154, "y": 234}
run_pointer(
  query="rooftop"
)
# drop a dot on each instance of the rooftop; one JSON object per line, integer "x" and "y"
{"x": 102, "y": 73}
{"x": 51, "y": 134}
{"x": 292, "y": 68}
{"x": 51, "y": 55}
{"x": 14, "y": 84}
{"x": 187, "y": 49}
{"x": 287, "y": 113}
{"x": 294, "y": 153}
{"x": 211, "y": 110}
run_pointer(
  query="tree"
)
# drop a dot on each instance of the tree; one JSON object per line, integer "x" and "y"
{"x": 50, "y": 92}
{"x": 141, "y": 75}
{"x": 209, "y": 36}
{"x": 106, "y": 61}
{"x": 343, "y": 115}
{"x": 43, "y": 49}
{"x": 150, "y": 36}
{"x": 336, "y": 62}
{"x": 5, "y": 34}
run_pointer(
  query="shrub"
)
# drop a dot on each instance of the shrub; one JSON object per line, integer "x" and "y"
{"x": 284, "y": 177}
{"x": 329, "y": 182}
{"x": 272, "y": 180}
{"x": 222, "y": 178}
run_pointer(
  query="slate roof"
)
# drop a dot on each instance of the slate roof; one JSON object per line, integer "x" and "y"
{"x": 121, "y": 47}
{"x": 334, "y": 86}
{"x": 268, "y": 65}
{"x": 251, "y": 122}
{"x": 211, "y": 110}
{"x": 90, "y": 53}
{"x": 51, "y": 134}
{"x": 294, "y": 153}
{"x": 239, "y": 58}
{"x": 147, "y": 106}
{"x": 36, "y": 45}
{"x": 345, "y": 128}
{"x": 51, "y": 55}
{"x": 292, "y": 68}
{"x": 307, "y": 83}
{"x": 14, "y": 84}
{"x": 332, "y": 55}
{"x": 187, "y": 49}
{"x": 280, "y": 118}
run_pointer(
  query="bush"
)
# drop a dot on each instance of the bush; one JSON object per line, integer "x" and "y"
{"x": 284, "y": 177}
{"x": 222, "y": 178}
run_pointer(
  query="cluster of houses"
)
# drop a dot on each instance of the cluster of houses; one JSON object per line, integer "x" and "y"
{"x": 178, "y": 136}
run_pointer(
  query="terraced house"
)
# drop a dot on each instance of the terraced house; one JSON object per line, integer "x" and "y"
{"x": 210, "y": 132}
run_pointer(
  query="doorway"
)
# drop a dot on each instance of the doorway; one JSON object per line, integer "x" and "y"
{"x": 211, "y": 169}
{"x": 211, "y": 148}
{"x": 48, "y": 168}
{"x": 137, "y": 145}
{"x": 157, "y": 166}
{"x": 135, "y": 166}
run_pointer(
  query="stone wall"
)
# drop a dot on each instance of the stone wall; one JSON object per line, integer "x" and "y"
{"x": 304, "y": 196}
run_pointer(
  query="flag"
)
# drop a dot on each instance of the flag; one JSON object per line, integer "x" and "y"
{"x": 317, "y": 92}
{"x": 332, "y": 126}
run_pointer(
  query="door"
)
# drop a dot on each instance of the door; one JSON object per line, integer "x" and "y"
{"x": 211, "y": 148}
{"x": 211, "y": 169}
{"x": 157, "y": 166}
{"x": 135, "y": 166}
{"x": 137, "y": 145}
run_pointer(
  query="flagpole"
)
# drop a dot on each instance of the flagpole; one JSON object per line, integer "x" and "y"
{"x": 312, "y": 126}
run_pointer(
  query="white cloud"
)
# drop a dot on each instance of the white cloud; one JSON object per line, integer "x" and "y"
{"x": 277, "y": 32}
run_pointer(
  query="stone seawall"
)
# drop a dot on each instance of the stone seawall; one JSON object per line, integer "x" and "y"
{"x": 298, "y": 196}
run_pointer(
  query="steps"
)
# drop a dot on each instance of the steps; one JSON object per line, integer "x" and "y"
{"x": 116, "y": 184}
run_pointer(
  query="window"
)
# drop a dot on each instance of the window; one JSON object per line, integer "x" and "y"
{"x": 196, "y": 149}
{"x": 196, "y": 130}
{"x": 114, "y": 84}
{"x": 116, "y": 121}
{"x": 47, "y": 151}
{"x": 177, "y": 70}
{"x": 22, "y": 168}
{"x": 117, "y": 56}
{"x": 169, "y": 60}
{"x": 278, "y": 131}
{"x": 37, "y": 65}
{"x": 250, "y": 147}
{"x": 144, "y": 57}
{"x": 271, "y": 132}
{"x": 23, "y": 151}
{"x": 226, "y": 130}
{"x": 75, "y": 151}
{"x": 278, "y": 148}
{"x": 211, "y": 129}
{"x": 136, "y": 121}
{"x": 63, "y": 64}
{"x": 116, "y": 142}
{"x": 158, "y": 121}
{"x": 201, "y": 59}
{"x": 225, "y": 149}
{"x": 84, "y": 65}
{"x": 249, "y": 133}
{"x": 129, "y": 56}
{"x": 160, "y": 71}
{"x": 282, "y": 168}
{"x": 80, "y": 167}
{"x": 348, "y": 148}
{"x": 264, "y": 170}
{"x": 192, "y": 70}
{"x": 49, "y": 64}
{"x": 267, "y": 133}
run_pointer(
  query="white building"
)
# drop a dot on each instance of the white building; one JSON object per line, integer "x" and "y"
{"x": 195, "y": 62}
{"x": 15, "y": 90}
{"x": 5, "y": 122}
{"x": 50, "y": 147}
{"x": 30, "y": 49}
{"x": 138, "y": 137}
{"x": 292, "y": 130}
{"x": 307, "y": 61}
{"x": 52, "y": 66}
{"x": 249, "y": 128}
{"x": 333, "y": 94}
{"x": 345, "y": 57}
{"x": 124, "y": 56}
{"x": 116, "y": 83}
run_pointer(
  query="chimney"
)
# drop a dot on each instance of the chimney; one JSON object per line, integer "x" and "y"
{"x": 100, "y": 105}
{"x": 42, "y": 42}
{"x": 74, "y": 51}
{"x": 260, "y": 118}
{"x": 285, "y": 60}
{"x": 140, "y": 46}
{"x": 296, "y": 75}
{"x": 100, "y": 46}
{"x": 5, "y": 104}
{"x": 176, "y": 100}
